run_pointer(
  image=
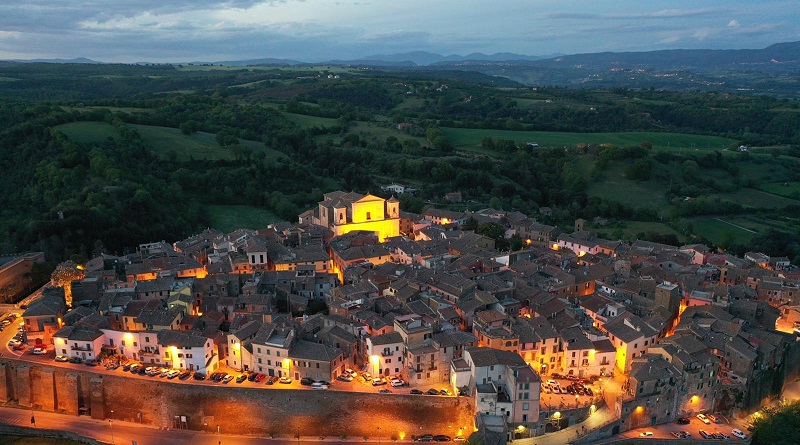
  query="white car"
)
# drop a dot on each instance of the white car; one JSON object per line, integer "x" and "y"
{"x": 646, "y": 434}
{"x": 739, "y": 433}
{"x": 62, "y": 358}
{"x": 39, "y": 351}
{"x": 703, "y": 418}
{"x": 13, "y": 342}
{"x": 397, "y": 382}
{"x": 319, "y": 385}
{"x": 173, "y": 373}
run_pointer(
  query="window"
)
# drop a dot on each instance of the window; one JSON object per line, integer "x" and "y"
{"x": 526, "y": 406}
{"x": 369, "y": 215}
{"x": 573, "y": 353}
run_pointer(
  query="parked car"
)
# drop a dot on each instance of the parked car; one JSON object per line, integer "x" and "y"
{"x": 39, "y": 351}
{"x": 227, "y": 378}
{"x": 675, "y": 434}
{"x": 260, "y": 377}
{"x": 377, "y": 381}
{"x": 62, "y": 358}
{"x": 173, "y": 373}
{"x": 285, "y": 380}
{"x": 415, "y": 391}
{"x": 241, "y": 378}
{"x": 199, "y": 376}
{"x": 425, "y": 438}
{"x": 441, "y": 438}
{"x": 712, "y": 418}
{"x": 646, "y": 434}
{"x": 272, "y": 379}
{"x": 14, "y": 342}
{"x": 683, "y": 421}
{"x": 345, "y": 378}
{"x": 90, "y": 362}
{"x": 18, "y": 347}
{"x": 445, "y": 392}
{"x": 163, "y": 372}
{"x": 459, "y": 439}
{"x": 397, "y": 382}
{"x": 306, "y": 381}
{"x": 433, "y": 392}
{"x": 588, "y": 391}
{"x": 75, "y": 360}
{"x": 184, "y": 375}
{"x": 704, "y": 434}
{"x": 319, "y": 385}
{"x": 738, "y": 433}
{"x": 350, "y": 372}
{"x": 112, "y": 366}
{"x": 384, "y": 391}
{"x": 704, "y": 419}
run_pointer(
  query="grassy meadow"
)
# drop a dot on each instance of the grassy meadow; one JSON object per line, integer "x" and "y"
{"x": 229, "y": 218}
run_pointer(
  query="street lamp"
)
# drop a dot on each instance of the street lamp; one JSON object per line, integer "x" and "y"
{"x": 219, "y": 440}
{"x": 111, "y": 426}
{"x": 379, "y": 435}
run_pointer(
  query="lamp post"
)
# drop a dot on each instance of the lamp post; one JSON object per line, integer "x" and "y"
{"x": 379, "y": 435}
{"x": 219, "y": 440}
{"x": 111, "y": 426}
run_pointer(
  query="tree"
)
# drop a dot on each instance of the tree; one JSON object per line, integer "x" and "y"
{"x": 64, "y": 275}
{"x": 778, "y": 425}
{"x": 639, "y": 170}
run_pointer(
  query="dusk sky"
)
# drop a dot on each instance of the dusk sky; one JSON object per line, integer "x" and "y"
{"x": 319, "y": 30}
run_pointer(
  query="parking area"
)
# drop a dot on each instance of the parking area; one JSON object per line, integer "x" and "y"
{"x": 689, "y": 428}
{"x": 562, "y": 393}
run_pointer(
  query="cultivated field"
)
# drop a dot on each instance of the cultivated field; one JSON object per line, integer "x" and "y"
{"x": 87, "y": 132}
{"x": 461, "y": 137}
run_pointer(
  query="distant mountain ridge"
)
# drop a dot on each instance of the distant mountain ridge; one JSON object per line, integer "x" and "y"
{"x": 76, "y": 60}
{"x": 779, "y": 53}
{"x": 784, "y": 55}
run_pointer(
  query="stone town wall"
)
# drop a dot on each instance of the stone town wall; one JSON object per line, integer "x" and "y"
{"x": 243, "y": 410}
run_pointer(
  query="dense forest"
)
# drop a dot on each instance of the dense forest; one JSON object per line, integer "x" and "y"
{"x": 88, "y": 168}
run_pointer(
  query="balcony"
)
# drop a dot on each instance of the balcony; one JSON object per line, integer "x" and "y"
{"x": 154, "y": 352}
{"x": 81, "y": 348}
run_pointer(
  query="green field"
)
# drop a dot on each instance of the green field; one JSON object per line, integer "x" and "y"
{"x": 129, "y": 110}
{"x": 632, "y": 228}
{"x": 758, "y": 199}
{"x": 786, "y": 189}
{"x": 230, "y": 218}
{"x": 461, "y": 137}
{"x": 305, "y": 120}
{"x": 87, "y": 132}
{"x": 717, "y": 230}
{"x": 198, "y": 145}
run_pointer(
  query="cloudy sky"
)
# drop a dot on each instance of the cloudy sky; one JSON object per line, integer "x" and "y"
{"x": 318, "y": 30}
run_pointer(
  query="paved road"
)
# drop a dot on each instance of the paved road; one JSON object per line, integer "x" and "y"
{"x": 126, "y": 432}
{"x": 564, "y": 436}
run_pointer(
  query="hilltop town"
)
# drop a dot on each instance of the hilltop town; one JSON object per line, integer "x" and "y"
{"x": 358, "y": 289}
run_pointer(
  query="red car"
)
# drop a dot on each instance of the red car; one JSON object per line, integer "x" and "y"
{"x": 260, "y": 378}
{"x": 19, "y": 347}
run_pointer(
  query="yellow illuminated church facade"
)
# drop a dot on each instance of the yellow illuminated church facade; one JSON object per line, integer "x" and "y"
{"x": 345, "y": 212}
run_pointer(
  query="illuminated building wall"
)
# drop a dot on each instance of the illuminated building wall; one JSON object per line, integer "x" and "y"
{"x": 346, "y": 212}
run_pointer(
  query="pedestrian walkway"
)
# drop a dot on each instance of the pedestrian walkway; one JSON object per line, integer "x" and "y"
{"x": 600, "y": 418}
